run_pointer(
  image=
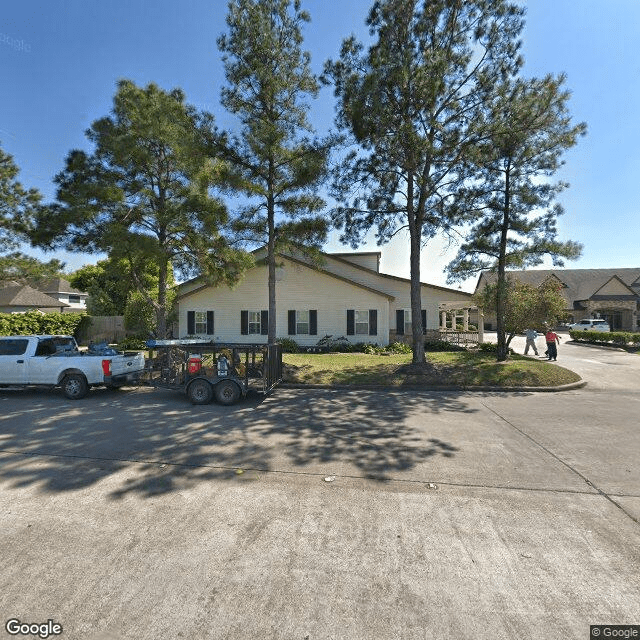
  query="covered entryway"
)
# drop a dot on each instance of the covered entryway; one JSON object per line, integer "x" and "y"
{"x": 461, "y": 323}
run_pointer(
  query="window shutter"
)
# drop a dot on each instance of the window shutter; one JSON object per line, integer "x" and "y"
{"x": 424, "y": 321}
{"x": 264, "y": 323}
{"x": 210, "y": 331}
{"x": 191, "y": 323}
{"x": 351, "y": 322}
{"x": 313, "y": 322}
{"x": 400, "y": 322}
{"x": 244, "y": 323}
{"x": 373, "y": 322}
{"x": 292, "y": 322}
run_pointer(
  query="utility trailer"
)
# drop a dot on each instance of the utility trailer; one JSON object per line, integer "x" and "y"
{"x": 208, "y": 370}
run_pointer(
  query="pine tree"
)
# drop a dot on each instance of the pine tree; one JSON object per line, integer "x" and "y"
{"x": 511, "y": 203}
{"x": 274, "y": 162}
{"x": 17, "y": 205}
{"x": 409, "y": 102}
{"x": 144, "y": 194}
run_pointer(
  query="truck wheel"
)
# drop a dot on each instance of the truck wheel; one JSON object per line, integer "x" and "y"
{"x": 227, "y": 392}
{"x": 74, "y": 386}
{"x": 200, "y": 392}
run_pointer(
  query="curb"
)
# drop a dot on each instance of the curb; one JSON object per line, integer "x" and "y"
{"x": 371, "y": 387}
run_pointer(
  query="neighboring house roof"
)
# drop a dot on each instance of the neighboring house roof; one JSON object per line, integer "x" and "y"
{"x": 579, "y": 284}
{"x": 17, "y": 295}
{"x": 59, "y": 285}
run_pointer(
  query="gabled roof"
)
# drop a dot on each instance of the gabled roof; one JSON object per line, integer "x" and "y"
{"x": 371, "y": 274}
{"x": 303, "y": 263}
{"x": 390, "y": 277}
{"x": 16, "y": 295}
{"x": 629, "y": 293}
{"x": 580, "y": 284}
{"x": 58, "y": 285}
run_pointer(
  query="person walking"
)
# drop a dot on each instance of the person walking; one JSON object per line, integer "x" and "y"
{"x": 531, "y": 341}
{"x": 551, "y": 339}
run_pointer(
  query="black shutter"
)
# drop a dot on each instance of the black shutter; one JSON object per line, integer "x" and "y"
{"x": 244, "y": 323}
{"x": 191, "y": 323}
{"x": 313, "y": 322}
{"x": 264, "y": 322}
{"x": 210, "y": 330}
{"x": 351, "y": 322}
{"x": 373, "y": 322}
{"x": 400, "y": 322}
{"x": 292, "y": 322}
{"x": 424, "y": 322}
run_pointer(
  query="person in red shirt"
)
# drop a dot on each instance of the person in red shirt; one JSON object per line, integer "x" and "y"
{"x": 551, "y": 339}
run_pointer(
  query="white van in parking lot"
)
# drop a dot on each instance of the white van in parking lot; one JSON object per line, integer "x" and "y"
{"x": 590, "y": 324}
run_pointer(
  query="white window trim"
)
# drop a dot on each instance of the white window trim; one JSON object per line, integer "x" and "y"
{"x": 253, "y": 322}
{"x": 358, "y": 314}
{"x": 301, "y": 323}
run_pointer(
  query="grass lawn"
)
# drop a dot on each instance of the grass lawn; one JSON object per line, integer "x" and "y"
{"x": 443, "y": 368}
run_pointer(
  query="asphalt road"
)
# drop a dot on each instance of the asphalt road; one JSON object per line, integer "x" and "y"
{"x": 326, "y": 514}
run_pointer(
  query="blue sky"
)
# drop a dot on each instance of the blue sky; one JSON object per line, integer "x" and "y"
{"x": 60, "y": 60}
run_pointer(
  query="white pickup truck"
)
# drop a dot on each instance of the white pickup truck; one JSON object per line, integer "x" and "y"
{"x": 57, "y": 361}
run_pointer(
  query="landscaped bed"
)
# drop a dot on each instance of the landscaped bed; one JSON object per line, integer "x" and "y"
{"x": 465, "y": 369}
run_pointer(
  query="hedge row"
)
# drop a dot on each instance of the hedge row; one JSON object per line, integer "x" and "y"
{"x": 34, "y": 322}
{"x": 622, "y": 338}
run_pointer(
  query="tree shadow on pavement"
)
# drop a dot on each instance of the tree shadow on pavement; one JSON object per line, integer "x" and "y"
{"x": 155, "y": 442}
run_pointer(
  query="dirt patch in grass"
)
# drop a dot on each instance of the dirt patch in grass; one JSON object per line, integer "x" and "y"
{"x": 464, "y": 369}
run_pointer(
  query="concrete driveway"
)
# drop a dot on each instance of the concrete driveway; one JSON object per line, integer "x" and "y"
{"x": 326, "y": 514}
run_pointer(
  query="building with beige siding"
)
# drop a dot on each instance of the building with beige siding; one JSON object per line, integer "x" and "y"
{"x": 345, "y": 295}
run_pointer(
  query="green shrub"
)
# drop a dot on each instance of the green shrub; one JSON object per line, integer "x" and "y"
{"x": 133, "y": 343}
{"x": 621, "y": 338}
{"x": 34, "y": 322}
{"x": 288, "y": 345}
{"x": 336, "y": 345}
{"x": 492, "y": 347}
{"x": 399, "y": 347}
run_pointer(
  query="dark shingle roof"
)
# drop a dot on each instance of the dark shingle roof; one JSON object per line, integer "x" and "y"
{"x": 580, "y": 284}
{"x": 17, "y": 295}
{"x": 58, "y": 285}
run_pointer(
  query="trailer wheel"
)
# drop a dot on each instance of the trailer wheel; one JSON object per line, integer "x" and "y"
{"x": 74, "y": 386}
{"x": 200, "y": 392}
{"x": 227, "y": 392}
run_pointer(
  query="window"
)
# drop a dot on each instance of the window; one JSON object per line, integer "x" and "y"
{"x": 403, "y": 322}
{"x": 254, "y": 322}
{"x": 200, "y": 323}
{"x": 13, "y": 347}
{"x": 360, "y": 322}
{"x": 302, "y": 322}
{"x": 74, "y": 298}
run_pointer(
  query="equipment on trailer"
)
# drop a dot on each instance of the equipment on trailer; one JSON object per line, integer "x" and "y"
{"x": 207, "y": 370}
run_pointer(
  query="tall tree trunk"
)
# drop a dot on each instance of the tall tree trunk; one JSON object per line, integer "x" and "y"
{"x": 161, "y": 309}
{"x": 501, "y": 289}
{"x": 271, "y": 256}
{"x": 415, "y": 232}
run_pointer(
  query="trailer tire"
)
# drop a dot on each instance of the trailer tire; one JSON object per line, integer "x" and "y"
{"x": 200, "y": 392}
{"x": 227, "y": 392}
{"x": 74, "y": 386}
